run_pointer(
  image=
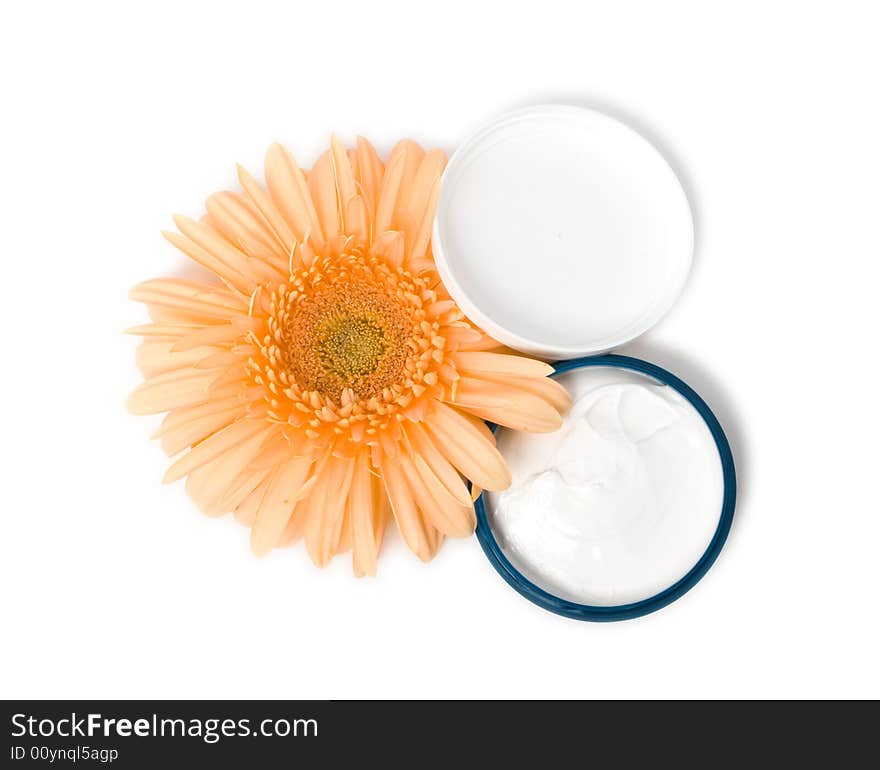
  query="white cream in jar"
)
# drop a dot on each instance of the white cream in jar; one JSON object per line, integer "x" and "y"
{"x": 621, "y": 502}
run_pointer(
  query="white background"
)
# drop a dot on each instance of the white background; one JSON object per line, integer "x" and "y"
{"x": 114, "y": 118}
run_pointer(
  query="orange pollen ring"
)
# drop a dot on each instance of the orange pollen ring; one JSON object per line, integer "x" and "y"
{"x": 346, "y": 335}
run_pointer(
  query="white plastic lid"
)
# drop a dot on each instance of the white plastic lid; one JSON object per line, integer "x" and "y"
{"x": 562, "y": 232}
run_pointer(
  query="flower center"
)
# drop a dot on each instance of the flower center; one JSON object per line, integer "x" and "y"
{"x": 351, "y": 347}
{"x": 346, "y": 335}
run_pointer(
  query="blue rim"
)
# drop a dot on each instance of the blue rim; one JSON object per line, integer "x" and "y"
{"x": 560, "y": 606}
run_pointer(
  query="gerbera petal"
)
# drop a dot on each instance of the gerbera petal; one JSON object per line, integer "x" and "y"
{"x": 485, "y": 342}
{"x": 480, "y": 426}
{"x": 461, "y": 337}
{"x": 179, "y": 417}
{"x": 500, "y": 364}
{"x": 238, "y": 219}
{"x": 391, "y": 247}
{"x": 421, "y": 200}
{"x": 329, "y": 497}
{"x": 155, "y": 357}
{"x": 466, "y": 338}
{"x": 441, "y": 309}
{"x": 296, "y": 524}
{"x": 442, "y": 510}
{"x": 240, "y": 488}
{"x": 424, "y": 448}
{"x": 211, "y": 484}
{"x": 277, "y": 505}
{"x": 265, "y": 205}
{"x": 336, "y": 520}
{"x": 288, "y": 188}
{"x": 204, "y": 302}
{"x": 221, "y": 359}
{"x": 200, "y": 480}
{"x": 365, "y": 538}
{"x": 467, "y": 449}
{"x": 353, "y": 160}
{"x": 369, "y": 175}
{"x": 357, "y": 223}
{"x": 156, "y": 330}
{"x": 170, "y": 390}
{"x": 216, "y": 445}
{"x": 435, "y": 540}
{"x": 544, "y": 387}
{"x": 413, "y": 155}
{"x": 226, "y": 480}
{"x": 389, "y": 191}
{"x": 505, "y": 405}
{"x": 343, "y": 176}
{"x": 422, "y": 237}
{"x": 218, "y": 334}
{"x": 235, "y": 267}
{"x": 344, "y": 542}
{"x": 322, "y": 187}
{"x": 423, "y": 182}
{"x": 409, "y": 521}
{"x": 246, "y": 510}
{"x": 265, "y": 267}
{"x": 177, "y": 439}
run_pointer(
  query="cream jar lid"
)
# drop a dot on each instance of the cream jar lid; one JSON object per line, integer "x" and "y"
{"x": 562, "y": 232}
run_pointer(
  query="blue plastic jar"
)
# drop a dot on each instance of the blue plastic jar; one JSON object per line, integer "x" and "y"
{"x": 577, "y": 611}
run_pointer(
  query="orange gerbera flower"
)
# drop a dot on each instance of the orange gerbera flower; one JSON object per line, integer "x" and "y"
{"x": 327, "y": 382}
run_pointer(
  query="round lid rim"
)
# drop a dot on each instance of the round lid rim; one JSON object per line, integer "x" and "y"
{"x": 654, "y": 314}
